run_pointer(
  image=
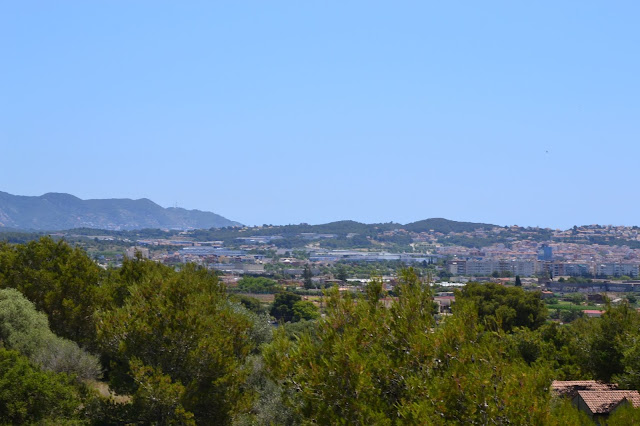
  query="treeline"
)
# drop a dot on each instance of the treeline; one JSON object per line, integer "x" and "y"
{"x": 145, "y": 344}
{"x": 172, "y": 344}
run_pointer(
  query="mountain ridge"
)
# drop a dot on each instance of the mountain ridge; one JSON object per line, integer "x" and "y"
{"x": 61, "y": 211}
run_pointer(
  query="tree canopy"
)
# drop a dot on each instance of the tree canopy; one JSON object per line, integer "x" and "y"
{"x": 375, "y": 365}
{"x": 179, "y": 335}
{"x": 258, "y": 285}
{"x": 504, "y": 307}
{"x": 175, "y": 347}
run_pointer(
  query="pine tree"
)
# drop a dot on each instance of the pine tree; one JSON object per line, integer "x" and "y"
{"x": 307, "y": 275}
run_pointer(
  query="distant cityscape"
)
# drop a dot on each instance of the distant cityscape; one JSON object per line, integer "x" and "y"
{"x": 522, "y": 252}
{"x": 450, "y": 250}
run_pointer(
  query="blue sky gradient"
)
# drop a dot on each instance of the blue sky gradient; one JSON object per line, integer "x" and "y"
{"x": 287, "y": 112}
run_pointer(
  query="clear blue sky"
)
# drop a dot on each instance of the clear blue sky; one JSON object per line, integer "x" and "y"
{"x": 504, "y": 112}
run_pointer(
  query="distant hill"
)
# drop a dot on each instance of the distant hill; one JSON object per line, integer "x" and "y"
{"x": 342, "y": 227}
{"x": 445, "y": 226}
{"x": 56, "y": 211}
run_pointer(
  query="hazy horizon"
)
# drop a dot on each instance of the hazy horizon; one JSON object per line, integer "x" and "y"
{"x": 345, "y": 218}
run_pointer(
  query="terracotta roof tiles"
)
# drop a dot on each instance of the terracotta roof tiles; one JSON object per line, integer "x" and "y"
{"x": 571, "y": 387}
{"x": 602, "y": 402}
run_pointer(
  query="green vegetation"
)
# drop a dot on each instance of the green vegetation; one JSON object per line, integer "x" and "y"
{"x": 26, "y": 330}
{"x": 174, "y": 347}
{"x": 307, "y": 276}
{"x": 445, "y": 226}
{"x": 251, "y": 303}
{"x": 258, "y": 285}
{"x": 504, "y": 307}
{"x": 61, "y": 281}
{"x": 625, "y": 415}
{"x": 290, "y": 307}
{"x": 30, "y": 395}
{"x": 177, "y": 342}
{"x": 375, "y": 365}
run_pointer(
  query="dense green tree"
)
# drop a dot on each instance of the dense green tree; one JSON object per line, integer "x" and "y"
{"x": 24, "y": 329}
{"x": 577, "y": 298}
{"x": 569, "y": 315}
{"x": 29, "y": 395}
{"x": 293, "y": 330}
{"x": 282, "y": 308}
{"x": 307, "y": 276}
{"x": 564, "y": 413}
{"x": 630, "y": 376}
{"x": 518, "y": 281}
{"x": 180, "y": 331}
{"x": 370, "y": 364}
{"x": 304, "y": 310}
{"x": 61, "y": 281}
{"x": 158, "y": 399}
{"x": 561, "y": 349}
{"x": 605, "y": 343}
{"x": 341, "y": 272}
{"x": 626, "y": 414}
{"x": 269, "y": 407}
{"x": 184, "y": 352}
{"x": 258, "y": 285}
{"x": 596, "y": 348}
{"x": 251, "y": 303}
{"x": 504, "y": 307}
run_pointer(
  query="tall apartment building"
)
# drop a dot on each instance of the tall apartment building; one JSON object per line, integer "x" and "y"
{"x": 131, "y": 252}
{"x": 617, "y": 269}
{"x": 527, "y": 268}
{"x": 485, "y": 267}
{"x": 545, "y": 253}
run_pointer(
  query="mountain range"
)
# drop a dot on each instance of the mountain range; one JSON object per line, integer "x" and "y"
{"x": 59, "y": 211}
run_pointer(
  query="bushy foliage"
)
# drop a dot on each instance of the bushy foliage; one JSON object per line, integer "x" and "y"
{"x": 258, "y": 285}
{"x": 29, "y": 395}
{"x": 26, "y": 330}
{"x": 501, "y": 307}
{"x": 305, "y": 310}
{"x": 611, "y": 346}
{"x": 64, "y": 356}
{"x": 22, "y": 328}
{"x": 375, "y": 365}
{"x": 251, "y": 303}
{"x": 61, "y": 281}
{"x": 564, "y": 413}
{"x": 179, "y": 350}
{"x": 158, "y": 399}
{"x": 268, "y": 408}
{"x": 282, "y": 307}
{"x": 626, "y": 414}
{"x": 183, "y": 335}
{"x": 134, "y": 271}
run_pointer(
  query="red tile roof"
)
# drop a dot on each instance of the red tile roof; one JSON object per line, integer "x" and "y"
{"x": 603, "y": 402}
{"x": 571, "y": 387}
